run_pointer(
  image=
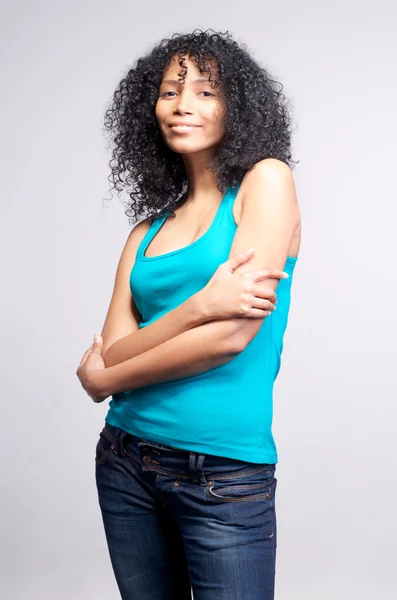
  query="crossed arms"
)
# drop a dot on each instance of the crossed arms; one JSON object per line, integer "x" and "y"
{"x": 185, "y": 342}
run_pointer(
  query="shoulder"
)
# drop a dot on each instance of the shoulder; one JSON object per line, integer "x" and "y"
{"x": 134, "y": 238}
{"x": 141, "y": 227}
{"x": 267, "y": 170}
{"x": 139, "y": 231}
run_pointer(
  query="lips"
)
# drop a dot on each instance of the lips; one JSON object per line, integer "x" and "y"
{"x": 183, "y": 124}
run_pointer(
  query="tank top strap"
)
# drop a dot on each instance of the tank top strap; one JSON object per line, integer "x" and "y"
{"x": 234, "y": 192}
{"x": 225, "y": 207}
{"x": 229, "y": 201}
{"x": 151, "y": 232}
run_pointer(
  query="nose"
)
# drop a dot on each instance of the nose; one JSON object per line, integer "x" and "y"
{"x": 182, "y": 109}
{"x": 183, "y": 104}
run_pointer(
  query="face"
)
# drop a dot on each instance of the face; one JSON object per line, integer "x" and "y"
{"x": 192, "y": 102}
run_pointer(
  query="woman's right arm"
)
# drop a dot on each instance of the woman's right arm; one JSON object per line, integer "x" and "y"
{"x": 225, "y": 296}
{"x": 187, "y": 315}
{"x": 122, "y": 338}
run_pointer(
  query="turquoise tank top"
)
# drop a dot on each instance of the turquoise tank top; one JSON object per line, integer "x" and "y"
{"x": 228, "y": 410}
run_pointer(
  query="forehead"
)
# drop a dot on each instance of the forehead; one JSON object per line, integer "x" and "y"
{"x": 189, "y": 69}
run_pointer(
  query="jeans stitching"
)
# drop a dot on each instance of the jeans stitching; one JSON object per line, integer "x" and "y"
{"x": 246, "y": 487}
{"x": 108, "y": 436}
{"x": 165, "y": 471}
{"x": 211, "y": 494}
{"x": 101, "y": 457}
{"x": 215, "y": 477}
{"x": 269, "y": 495}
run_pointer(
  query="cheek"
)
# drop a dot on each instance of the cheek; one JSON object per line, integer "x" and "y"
{"x": 218, "y": 114}
{"x": 218, "y": 120}
{"x": 158, "y": 112}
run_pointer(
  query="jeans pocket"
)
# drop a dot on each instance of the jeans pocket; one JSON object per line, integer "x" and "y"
{"x": 243, "y": 488}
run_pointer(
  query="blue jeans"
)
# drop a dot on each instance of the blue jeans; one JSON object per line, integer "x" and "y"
{"x": 178, "y": 521}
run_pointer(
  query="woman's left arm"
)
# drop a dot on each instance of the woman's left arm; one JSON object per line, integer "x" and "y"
{"x": 269, "y": 218}
{"x": 190, "y": 353}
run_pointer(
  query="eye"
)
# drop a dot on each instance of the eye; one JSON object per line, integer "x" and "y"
{"x": 165, "y": 94}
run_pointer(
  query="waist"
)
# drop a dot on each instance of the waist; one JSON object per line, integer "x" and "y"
{"x": 170, "y": 460}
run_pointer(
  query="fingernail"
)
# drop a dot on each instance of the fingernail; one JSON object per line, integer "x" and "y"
{"x": 250, "y": 250}
{"x": 285, "y": 275}
{"x": 97, "y": 338}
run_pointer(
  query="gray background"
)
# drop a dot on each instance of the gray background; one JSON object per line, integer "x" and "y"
{"x": 335, "y": 398}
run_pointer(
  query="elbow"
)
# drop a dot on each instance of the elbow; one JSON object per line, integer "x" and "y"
{"x": 234, "y": 343}
{"x": 238, "y": 344}
{"x": 231, "y": 350}
{"x": 242, "y": 332}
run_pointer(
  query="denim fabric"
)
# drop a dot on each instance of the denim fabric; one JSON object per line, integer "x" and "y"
{"x": 178, "y": 522}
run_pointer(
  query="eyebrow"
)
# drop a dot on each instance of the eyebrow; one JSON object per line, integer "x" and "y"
{"x": 201, "y": 80}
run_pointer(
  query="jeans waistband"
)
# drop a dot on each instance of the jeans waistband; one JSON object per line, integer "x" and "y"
{"x": 169, "y": 459}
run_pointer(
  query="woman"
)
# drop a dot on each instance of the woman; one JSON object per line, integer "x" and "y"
{"x": 191, "y": 345}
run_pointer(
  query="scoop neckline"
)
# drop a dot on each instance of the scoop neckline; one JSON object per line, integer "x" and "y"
{"x": 146, "y": 242}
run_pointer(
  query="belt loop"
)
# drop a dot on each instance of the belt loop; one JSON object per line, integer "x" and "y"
{"x": 121, "y": 437}
{"x": 192, "y": 461}
{"x": 197, "y": 467}
{"x": 200, "y": 462}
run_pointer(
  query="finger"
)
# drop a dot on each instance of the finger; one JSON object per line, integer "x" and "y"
{"x": 97, "y": 348}
{"x": 260, "y": 291}
{"x": 85, "y": 355}
{"x": 270, "y": 273}
{"x": 257, "y": 313}
{"x": 234, "y": 261}
{"x": 98, "y": 344}
{"x": 263, "y": 304}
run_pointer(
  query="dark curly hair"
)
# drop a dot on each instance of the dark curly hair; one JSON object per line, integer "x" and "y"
{"x": 257, "y": 122}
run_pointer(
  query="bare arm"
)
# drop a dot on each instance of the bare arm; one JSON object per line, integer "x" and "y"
{"x": 184, "y": 342}
{"x": 270, "y": 215}
{"x": 122, "y": 337}
{"x": 193, "y": 352}
{"x": 187, "y": 315}
{"x": 269, "y": 207}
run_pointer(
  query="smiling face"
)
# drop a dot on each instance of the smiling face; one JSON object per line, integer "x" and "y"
{"x": 190, "y": 113}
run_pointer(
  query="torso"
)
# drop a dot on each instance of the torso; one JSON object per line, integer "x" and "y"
{"x": 185, "y": 228}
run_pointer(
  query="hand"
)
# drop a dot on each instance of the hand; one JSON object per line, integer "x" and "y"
{"x": 87, "y": 371}
{"x": 229, "y": 295}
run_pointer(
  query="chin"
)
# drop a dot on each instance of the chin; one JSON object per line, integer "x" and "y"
{"x": 186, "y": 148}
